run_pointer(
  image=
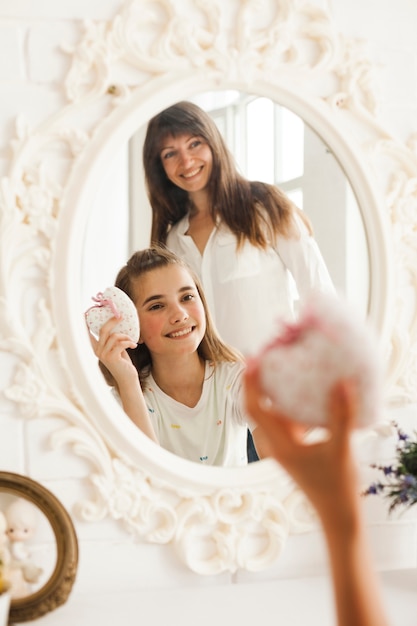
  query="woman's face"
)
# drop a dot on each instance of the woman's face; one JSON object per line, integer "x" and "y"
{"x": 171, "y": 313}
{"x": 187, "y": 161}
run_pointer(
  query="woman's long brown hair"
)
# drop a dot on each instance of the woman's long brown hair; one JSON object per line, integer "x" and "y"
{"x": 142, "y": 262}
{"x": 254, "y": 211}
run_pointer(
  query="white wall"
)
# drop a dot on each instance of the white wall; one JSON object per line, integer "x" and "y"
{"x": 32, "y": 66}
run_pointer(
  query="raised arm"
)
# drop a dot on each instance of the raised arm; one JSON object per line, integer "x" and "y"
{"x": 110, "y": 349}
{"x": 327, "y": 473}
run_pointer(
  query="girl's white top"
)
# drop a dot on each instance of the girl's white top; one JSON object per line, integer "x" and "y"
{"x": 214, "y": 432}
{"x": 249, "y": 290}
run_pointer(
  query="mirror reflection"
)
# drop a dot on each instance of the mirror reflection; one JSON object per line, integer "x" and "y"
{"x": 250, "y": 245}
{"x": 310, "y": 174}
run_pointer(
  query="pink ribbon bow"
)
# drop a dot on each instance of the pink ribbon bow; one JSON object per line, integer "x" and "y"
{"x": 102, "y": 301}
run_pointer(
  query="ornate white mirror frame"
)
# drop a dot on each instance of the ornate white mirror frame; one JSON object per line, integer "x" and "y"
{"x": 150, "y": 54}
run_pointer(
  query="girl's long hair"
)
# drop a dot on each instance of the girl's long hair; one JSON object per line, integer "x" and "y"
{"x": 254, "y": 211}
{"x": 211, "y": 348}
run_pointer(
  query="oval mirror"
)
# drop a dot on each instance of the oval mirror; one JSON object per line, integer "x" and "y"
{"x": 269, "y": 143}
{"x": 191, "y": 504}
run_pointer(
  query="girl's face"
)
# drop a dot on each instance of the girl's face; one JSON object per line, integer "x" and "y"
{"x": 187, "y": 161}
{"x": 171, "y": 314}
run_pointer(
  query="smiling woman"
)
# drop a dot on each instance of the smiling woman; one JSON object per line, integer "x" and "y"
{"x": 290, "y": 155}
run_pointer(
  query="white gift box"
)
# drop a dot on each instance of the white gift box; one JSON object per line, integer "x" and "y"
{"x": 113, "y": 302}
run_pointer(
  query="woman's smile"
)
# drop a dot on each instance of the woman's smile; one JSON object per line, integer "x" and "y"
{"x": 187, "y": 161}
{"x": 194, "y": 172}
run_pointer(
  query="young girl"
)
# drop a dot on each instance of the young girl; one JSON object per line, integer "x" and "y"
{"x": 181, "y": 384}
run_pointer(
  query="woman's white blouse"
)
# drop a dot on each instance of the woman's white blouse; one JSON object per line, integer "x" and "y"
{"x": 250, "y": 290}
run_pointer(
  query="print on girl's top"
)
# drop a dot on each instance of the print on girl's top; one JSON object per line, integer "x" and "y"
{"x": 201, "y": 425}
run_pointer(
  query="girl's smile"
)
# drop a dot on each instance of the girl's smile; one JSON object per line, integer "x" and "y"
{"x": 181, "y": 333}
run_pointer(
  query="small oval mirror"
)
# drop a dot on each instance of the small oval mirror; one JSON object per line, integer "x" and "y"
{"x": 38, "y": 547}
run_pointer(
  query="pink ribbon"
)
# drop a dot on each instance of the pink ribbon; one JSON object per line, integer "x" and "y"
{"x": 102, "y": 301}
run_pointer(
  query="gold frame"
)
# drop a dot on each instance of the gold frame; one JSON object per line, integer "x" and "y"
{"x": 56, "y": 590}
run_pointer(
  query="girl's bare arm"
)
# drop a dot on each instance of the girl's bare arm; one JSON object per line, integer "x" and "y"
{"x": 110, "y": 348}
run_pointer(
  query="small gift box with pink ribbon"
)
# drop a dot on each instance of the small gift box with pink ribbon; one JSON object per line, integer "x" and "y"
{"x": 113, "y": 302}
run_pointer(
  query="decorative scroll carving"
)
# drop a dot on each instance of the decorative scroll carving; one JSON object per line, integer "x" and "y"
{"x": 289, "y": 42}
